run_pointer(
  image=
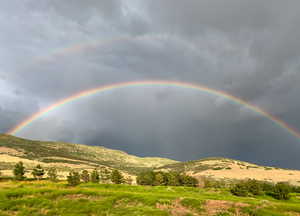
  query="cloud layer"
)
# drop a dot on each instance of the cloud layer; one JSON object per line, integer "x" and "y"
{"x": 53, "y": 49}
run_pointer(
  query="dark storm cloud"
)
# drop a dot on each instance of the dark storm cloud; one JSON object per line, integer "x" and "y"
{"x": 247, "y": 48}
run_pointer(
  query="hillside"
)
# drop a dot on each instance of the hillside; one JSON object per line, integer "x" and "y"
{"x": 228, "y": 169}
{"x": 66, "y": 156}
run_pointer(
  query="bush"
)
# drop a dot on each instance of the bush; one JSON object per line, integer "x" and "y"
{"x": 73, "y": 178}
{"x": 166, "y": 178}
{"x": 52, "y": 174}
{"x": 38, "y": 172}
{"x": 19, "y": 171}
{"x": 281, "y": 191}
{"x": 116, "y": 177}
{"x": 188, "y": 181}
{"x": 95, "y": 176}
{"x": 239, "y": 189}
{"x": 146, "y": 178}
{"x": 85, "y": 176}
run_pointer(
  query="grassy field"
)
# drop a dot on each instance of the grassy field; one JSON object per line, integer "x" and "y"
{"x": 46, "y": 198}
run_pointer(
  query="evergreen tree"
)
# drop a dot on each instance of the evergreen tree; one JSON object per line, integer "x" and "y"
{"x": 173, "y": 179}
{"x": 105, "y": 175}
{"x": 95, "y": 176}
{"x": 146, "y": 178}
{"x": 116, "y": 177}
{"x": 160, "y": 179}
{"x": 19, "y": 171}
{"x": 73, "y": 178}
{"x": 38, "y": 172}
{"x": 85, "y": 176}
{"x": 52, "y": 174}
{"x": 188, "y": 181}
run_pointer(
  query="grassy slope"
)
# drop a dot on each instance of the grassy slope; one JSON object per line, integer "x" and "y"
{"x": 79, "y": 154}
{"x": 45, "y": 198}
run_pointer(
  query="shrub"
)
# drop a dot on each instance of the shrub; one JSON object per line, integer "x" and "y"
{"x": 19, "y": 171}
{"x": 73, "y": 178}
{"x": 38, "y": 172}
{"x": 173, "y": 179}
{"x": 239, "y": 189}
{"x": 188, "y": 181}
{"x": 146, "y": 178}
{"x": 281, "y": 191}
{"x": 116, "y": 177}
{"x": 95, "y": 176}
{"x": 85, "y": 176}
{"x": 52, "y": 174}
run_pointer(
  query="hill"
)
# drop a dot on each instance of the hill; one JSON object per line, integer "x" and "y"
{"x": 228, "y": 169}
{"x": 67, "y": 156}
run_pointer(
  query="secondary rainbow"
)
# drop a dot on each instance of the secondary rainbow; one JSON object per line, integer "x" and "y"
{"x": 178, "y": 84}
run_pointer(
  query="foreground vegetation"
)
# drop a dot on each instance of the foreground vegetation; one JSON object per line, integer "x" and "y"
{"x": 57, "y": 198}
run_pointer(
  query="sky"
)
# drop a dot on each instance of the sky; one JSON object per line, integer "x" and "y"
{"x": 52, "y": 49}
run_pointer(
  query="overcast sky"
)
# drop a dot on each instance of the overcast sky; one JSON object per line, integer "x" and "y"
{"x": 52, "y": 49}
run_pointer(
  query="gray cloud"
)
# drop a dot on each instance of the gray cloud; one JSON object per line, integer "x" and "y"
{"x": 249, "y": 49}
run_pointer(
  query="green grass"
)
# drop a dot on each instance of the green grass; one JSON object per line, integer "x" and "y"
{"x": 46, "y": 198}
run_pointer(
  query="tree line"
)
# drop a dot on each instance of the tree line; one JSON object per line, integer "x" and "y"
{"x": 166, "y": 179}
{"x": 74, "y": 177}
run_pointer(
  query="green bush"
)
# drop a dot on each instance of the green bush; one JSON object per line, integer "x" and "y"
{"x": 38, "y": 172}
{"x": 116, "y": 177}
{"x": 73, "y": 178}
{"x": 85, "y": 176}
{"x": 95, "y": 178}
{"x": 240, "y": 189}
{"x": 281, "y": 191}
{"x": 166, "y": 178}
{"x": 52, "y": 174}
{"x": 19, "y": 171}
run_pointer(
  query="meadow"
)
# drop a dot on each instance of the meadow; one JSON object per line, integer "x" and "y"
{"x": 48, "y": 198}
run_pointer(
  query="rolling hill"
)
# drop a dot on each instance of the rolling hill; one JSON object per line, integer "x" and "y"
{"x": 67, "y": 156}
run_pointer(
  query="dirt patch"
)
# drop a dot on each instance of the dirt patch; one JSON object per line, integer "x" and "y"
{"x": 176, "y": 209}
{"x": 10, "y": 151}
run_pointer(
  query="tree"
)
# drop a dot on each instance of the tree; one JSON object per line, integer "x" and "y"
{"x": 281, "y": 191}
{"x": 188, "y": 181}
{"x": 85, "y": 176}
{"x": 73, "y": 178}
{"x": 173, "y": 179}
{"x": 146, "y": 178}
{"x": 19, "y": 171}
{"x": 38, "y": 172}
{"x": 52, "y": 174}
{"x": 95, "y": 176}
{"x": 105, "y": 175}
{"x": 160, "y": 179}
{"x": 116, "y": 177}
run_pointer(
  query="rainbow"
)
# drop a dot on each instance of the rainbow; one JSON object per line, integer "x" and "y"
{"x": 93, "y": 44}
{"x": 121, "y": 85}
